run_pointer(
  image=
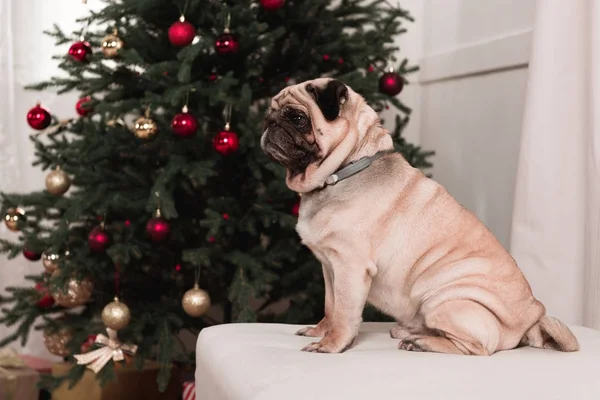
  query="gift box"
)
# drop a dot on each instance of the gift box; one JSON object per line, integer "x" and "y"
{"x": 189, "y": 390}
{"x": 17, "y": 380}
{"x": 131, "y": 383}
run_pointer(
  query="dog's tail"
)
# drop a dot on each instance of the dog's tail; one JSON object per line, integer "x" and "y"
{"x": 550, "y": 333}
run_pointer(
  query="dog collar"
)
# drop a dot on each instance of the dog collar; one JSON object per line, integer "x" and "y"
{"x": 354, "y": 168}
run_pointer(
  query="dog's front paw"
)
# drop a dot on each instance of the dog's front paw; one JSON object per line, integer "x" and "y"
{"x": 318, "y": 331}
{"x": 410, "y": 344}
{"x": 329, "y": 345}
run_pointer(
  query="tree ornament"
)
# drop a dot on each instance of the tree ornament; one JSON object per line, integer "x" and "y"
{"x": 31, "y": 255}
{"x": 38, "y": 117}
{"x": 184, "y": 124}
{"x": 116, "y": 315}
{"x": 98, "y": 239}
{"x": 226, "y": 142}
{"x": 88, "y": 344}
{"x": 391, "y": 83}
{"x": 58, "y": 182}
{"x": 181, "y": 33}
{"x": 144, "y": 127}
{"x": 195, "y": 301}
{"x": 272, "y": 5}
{"x": 57, "y": 341}
{"x": 14, "y": 217}
{"x": 296, "y": 209}
{"x": 111, "y": 44}
{"x": 80, "y": 50}
{"x": 158, "y": 228}
{"x": 75, "y": 293}
{"x": 50, "y": 261}
{"x": 81, "y": 107}
{"x": 45, "y": 300}
{"x": 226, "y": 43}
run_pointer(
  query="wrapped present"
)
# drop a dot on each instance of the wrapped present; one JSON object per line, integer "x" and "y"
{"x": 17, "y": 380}
{"x": 130, "y": 383}
{"x": 189, "y": 390}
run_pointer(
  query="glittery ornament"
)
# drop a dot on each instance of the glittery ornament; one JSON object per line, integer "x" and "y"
{"x": 50, "y": 261}
{"x": 57, "y": 341}
{"x": 75, "y": 293}
{"x": 111, "y": 44}
{"x": 57, "y": 182}
{"x": 144, "y": 127}
{"x": 116, "y": 315}
{"x": 195, "y": 301}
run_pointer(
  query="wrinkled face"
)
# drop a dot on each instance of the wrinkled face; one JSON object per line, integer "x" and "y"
{"x": 306, "y": 121}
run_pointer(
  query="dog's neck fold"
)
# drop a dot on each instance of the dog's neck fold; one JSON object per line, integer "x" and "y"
{"x": 352, "y": 147}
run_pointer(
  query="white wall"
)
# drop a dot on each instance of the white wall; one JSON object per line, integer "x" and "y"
{"x": 472, "y": 86}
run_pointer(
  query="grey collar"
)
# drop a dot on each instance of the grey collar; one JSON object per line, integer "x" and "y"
{"x": 354, "y": 168}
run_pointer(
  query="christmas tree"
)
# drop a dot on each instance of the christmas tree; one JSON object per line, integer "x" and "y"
{"x": 159, "y": 193}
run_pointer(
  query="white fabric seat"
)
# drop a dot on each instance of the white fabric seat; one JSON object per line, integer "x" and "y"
{"x": 264, "y": 362}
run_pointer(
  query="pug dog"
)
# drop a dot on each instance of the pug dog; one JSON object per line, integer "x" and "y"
{"x": 388, "y": 235}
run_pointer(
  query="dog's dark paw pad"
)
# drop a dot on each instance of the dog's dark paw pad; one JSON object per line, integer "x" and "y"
{"x": 410, "y": 344}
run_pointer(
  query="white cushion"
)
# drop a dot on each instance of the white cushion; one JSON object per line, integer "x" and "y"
{"x": 264, "y": 362}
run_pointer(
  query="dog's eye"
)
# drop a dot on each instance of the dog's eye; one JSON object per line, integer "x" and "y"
{"x": 297, "y": 117}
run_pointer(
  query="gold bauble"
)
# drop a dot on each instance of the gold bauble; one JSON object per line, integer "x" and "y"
{"x": 116, "y": 315}
{"x": 50, "y": 261}
{"x": 195, "y": 302}
{"x": 56, "y": 342}
{"x": 57, "y": 182}
{"x": 111, "y": 44}
{"x": 13, "y": 217}
{"x": 145, "y": 128}
{"x": 76, "y": 293}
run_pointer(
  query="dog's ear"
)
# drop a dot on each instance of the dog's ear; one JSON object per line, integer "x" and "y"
{"x": 330, "y": 98}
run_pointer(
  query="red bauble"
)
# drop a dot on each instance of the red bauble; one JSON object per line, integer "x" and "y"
{"x": 296, "y": 209}
{"x": 98, "y": 239}
{"x": 391, "y": 83}
{"x": 226, "y": 142}
{"x": 272, "y": 5}
{"x": 80, "y": 50}
{"x": 184, "y": 124}
{"x": 39, "y": 118}
{"x": 158, "y": 228}
{"x": 88, "y": 344}
{"x": 81, "y": 107}
{"x": 181, "y": 33}
{"x": 45, "y": 300}
{"x": 31, "y": 255}
{"x": 226, "y": 43}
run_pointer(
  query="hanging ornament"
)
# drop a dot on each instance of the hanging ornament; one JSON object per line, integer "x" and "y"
{"x": 45, "y": 300}
{"x": 31, "y": 255}
{"x": 38, "y": 117}
{"x": 75, "y": 293}
{"x": 296, "y": 209}
{"x": 98, "y": 239}
{"x": 144, "y": 127}
{"x": 110, "y": 348}
{"x": 80, "y": 50}
{"x": 50, "y": 261}
{"x": 227, "y": 43}
{"x": 181, "y": 33}
{"x": 226, "y": 142}
{"x": 158, "y": 228}
{"x": 195, "y": 301}
{"x": 116, "y": 315}
{"x": 58, "y": 182}
{"x": 272, "y": 5}
{"x": 57, "y": 341}
{"x": 14, "y": 217}
{"x": 391, "y": 83}
{"x": 82, "y": 108}
{"x": 184, "y": 124}
{"x": 111, "y": 44}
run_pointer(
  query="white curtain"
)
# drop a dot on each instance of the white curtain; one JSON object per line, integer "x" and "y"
{"x": 25, "y": 57}
{"x": 556, "y": 221}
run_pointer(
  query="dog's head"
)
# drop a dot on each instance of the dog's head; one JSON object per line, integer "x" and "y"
{"x": 311, "y": 128}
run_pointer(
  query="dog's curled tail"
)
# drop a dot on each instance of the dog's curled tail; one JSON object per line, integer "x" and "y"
{"x": 550, "y": 333}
